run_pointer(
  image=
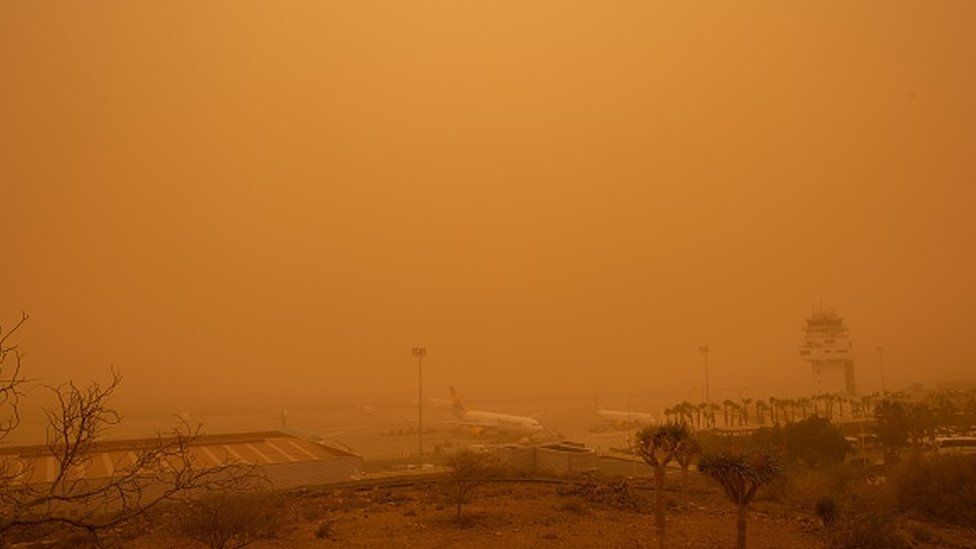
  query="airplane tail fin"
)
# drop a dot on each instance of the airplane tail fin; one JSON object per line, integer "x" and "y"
{"x": 458, "y": 407}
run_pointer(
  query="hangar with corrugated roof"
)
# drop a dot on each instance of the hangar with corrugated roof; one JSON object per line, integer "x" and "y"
{"x": 286, "y": 460}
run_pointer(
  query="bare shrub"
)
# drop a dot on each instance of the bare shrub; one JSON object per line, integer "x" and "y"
{"x": 616, "y": 493}
{"x": 469, "y": 470}
{"x": 163, "y": 469}
{"x": 230, "y": 520}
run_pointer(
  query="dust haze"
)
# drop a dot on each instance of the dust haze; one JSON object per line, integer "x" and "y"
{"x": 244, "y": 204}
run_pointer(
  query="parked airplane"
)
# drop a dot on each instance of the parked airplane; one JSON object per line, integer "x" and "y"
{"x": 479, "y": 420}
{"x": 625, "y": 419}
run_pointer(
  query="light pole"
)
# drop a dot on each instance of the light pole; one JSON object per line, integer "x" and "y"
{"x": 703, "y": 349}
{"x": 420, "y": 353}
{"x": 881, "y": 361}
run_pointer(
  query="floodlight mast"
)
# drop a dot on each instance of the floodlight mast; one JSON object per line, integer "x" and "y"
{"x": 420, "y": 353}
{"x": 704, "y": 351}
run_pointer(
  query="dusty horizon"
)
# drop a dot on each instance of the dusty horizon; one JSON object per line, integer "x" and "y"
{"x": 274, "y": 204}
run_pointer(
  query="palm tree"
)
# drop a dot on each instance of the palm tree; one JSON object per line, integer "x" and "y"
{"x": 735, "y": 414}
{"x": 712, "y": 409}
{"x": 789, "y": 409}
{"x": 745, "y": 411}
{"x": 725, "y": 409}
{"x": 866, "y": 402}
{"x": 740, "y": 476}
{"x": 687, "y": 410}
{"x": 804, "y": 406}
{"x": 699, "y": 413}
{"x": 657, "y": 446}
{"x": 761, "y": 407}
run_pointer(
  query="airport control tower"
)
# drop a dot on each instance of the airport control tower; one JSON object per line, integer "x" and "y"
{"x": 829, "y": 352}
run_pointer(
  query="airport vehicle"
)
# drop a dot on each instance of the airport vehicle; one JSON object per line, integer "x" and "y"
{"x": 479, "y": 420}
{"x": 955, "y": 445}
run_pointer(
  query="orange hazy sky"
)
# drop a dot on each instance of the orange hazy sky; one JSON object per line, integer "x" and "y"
{"x": 242, "y": 201}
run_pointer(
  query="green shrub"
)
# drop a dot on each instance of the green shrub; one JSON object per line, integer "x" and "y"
{"x": 867, "y": 527}
{"x": 940, "y": 487}
{"x": 805, "y": 487}
{"x": 826, "y": 510}
{"x": 576, "y": 505}
{"x": 325, "y": 530}
{"x": 815, "y": 442}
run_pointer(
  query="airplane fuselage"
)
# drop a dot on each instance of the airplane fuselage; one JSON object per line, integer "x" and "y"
{"x": 501, "y": 422}
{"x": 621, "y": 416}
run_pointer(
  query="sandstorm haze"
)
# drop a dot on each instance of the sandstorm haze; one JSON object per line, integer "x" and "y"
{"x": 241, "y": 203}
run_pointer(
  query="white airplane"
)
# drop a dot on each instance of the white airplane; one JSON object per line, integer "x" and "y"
{"x": 622, "y": 418}
{"x": 479, "y": 420}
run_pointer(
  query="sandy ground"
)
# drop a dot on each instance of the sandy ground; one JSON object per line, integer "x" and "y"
{"x": 531, "y": 517}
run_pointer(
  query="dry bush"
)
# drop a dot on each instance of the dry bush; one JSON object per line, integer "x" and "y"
{"x": 325, "y": 530}
{"x": 804, "y": 487}
{"x": 614, "y": 493}
{"x": 469, "y": 470}
{"x": 230, "y": 520}
{"x": 939, "y": 487}
{"x": 867, "y": 526}
{"x": 162, "y": 470}
{"x": 575, "y": 505}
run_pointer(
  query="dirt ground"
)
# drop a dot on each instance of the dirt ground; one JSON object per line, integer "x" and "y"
{"x": 533, "y": 515}
{"x": 536, "y": 516}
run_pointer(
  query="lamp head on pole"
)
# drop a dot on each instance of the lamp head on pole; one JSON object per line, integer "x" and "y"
{"x": 419, "y": 351}
{"x": 703, "y": 349}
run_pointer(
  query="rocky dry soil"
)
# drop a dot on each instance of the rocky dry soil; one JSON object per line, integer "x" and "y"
{"x": 536, "y": 515}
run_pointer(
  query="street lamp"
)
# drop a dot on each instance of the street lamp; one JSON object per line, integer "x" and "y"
{"x": 420, "y": 353}
{"x": 703, "y": 349}
{"x": 881, "y": 360}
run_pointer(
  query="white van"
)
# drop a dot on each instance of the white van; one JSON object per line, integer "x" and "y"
{"x": 955, "y": 445}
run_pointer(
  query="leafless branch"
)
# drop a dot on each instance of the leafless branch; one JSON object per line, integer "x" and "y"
{"x": 163, "y": 468}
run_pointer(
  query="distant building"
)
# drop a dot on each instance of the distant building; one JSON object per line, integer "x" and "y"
{"x": 959, "y": 385}
{"x": 287, "y": 461}
{"x": 560, "y": 458}
{"x": 829, "y": 352}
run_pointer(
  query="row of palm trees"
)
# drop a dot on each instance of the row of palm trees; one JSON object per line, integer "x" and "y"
{"x": 748, "y": 412}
